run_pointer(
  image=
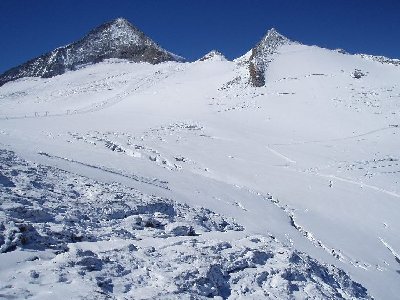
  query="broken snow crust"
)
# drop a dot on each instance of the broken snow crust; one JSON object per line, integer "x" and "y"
{"x": 306, "y": 164}
{"x": 111, "y": 240}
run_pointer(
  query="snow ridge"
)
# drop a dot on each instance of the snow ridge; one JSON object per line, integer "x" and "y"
{"x": 261, "y": 55}
{"x": 381, "y": 59}
{"x": 213, "y": 55}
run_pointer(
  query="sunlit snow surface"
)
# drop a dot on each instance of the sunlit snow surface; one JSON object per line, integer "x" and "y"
{"x": 179, "y": 180}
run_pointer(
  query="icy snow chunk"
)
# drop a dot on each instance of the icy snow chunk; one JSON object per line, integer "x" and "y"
{"x": 179, "y": 229}
{"x": 357, "y": 74}
{"x": 10, "y": 237}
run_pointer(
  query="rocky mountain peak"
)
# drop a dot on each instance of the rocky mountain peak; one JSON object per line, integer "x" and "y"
{"x": 271, "y": 41}
{"x": 119, "y": 30}
{"x": 121, "y": 21}
{"x": 114, "y": 39}
{"x": 262, "y": 53}
{"x": 273, "y": 34}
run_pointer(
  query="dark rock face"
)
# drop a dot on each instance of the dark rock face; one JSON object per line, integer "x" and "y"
{"x": 115, "y": 39}
{"x": 357, "y": 74}
{"x": 261, "y": 56}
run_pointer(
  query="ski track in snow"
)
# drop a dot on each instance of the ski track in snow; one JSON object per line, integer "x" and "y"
{"x": 280, "y": 155}
{"x": 360, "y": 184}
{"x": 336, "y": 139}
{"x": 154, "y": 182}
{"x": 395, "y": 254}
{"x": 143, "y": 83}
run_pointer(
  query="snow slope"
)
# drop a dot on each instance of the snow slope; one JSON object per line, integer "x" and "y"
{"x": 297, "y": 180}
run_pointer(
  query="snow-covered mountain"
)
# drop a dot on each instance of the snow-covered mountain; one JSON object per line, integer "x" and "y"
{"x": 213, "y": 55}
{"x": 115, "y": 39}
{"x": 198, "y": 180}
{"x": 260, "y": 56}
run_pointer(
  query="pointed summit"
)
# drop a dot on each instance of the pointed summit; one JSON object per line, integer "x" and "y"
{"x": 121, "y": 21}
{"x": 119, "y": 31}
{"x": 261, "y": 55}
{"x": 272, "y": 31}
{"x": 213, "y": 55}
{"x": 115, "y": 39}
{"x": 270, "y": 43}
{"x": 274, "y": 35}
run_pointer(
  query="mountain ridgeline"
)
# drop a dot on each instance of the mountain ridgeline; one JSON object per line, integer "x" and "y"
{"x": 115, "y": 39}
{"x": 120, "y": 39}
{"x": 261, "y": 56}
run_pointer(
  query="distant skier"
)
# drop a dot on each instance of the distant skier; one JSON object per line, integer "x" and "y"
{"x": 330, "y": 183}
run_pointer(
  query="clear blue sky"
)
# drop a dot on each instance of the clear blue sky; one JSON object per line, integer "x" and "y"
{"x": 191, "y": 28}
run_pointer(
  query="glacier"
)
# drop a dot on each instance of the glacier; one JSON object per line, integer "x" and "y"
{"x": 192, "y": 180}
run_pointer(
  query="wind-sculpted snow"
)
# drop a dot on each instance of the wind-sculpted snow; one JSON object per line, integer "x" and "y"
{"x": 43, "y": 207}
{"x": 110, "y": 241}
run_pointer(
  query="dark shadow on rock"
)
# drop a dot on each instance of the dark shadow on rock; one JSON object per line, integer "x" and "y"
{"x": 5, "y": 181}
{"x": 161, "y": 207}
{"x": 105, "y": 284}
{"x": 338, "y": 281}
{"x": 29, "y": 214}
{"x": 215, "y": 278}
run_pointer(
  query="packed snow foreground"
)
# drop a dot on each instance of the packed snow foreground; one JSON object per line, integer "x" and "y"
{"x": 273, "y": 176}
